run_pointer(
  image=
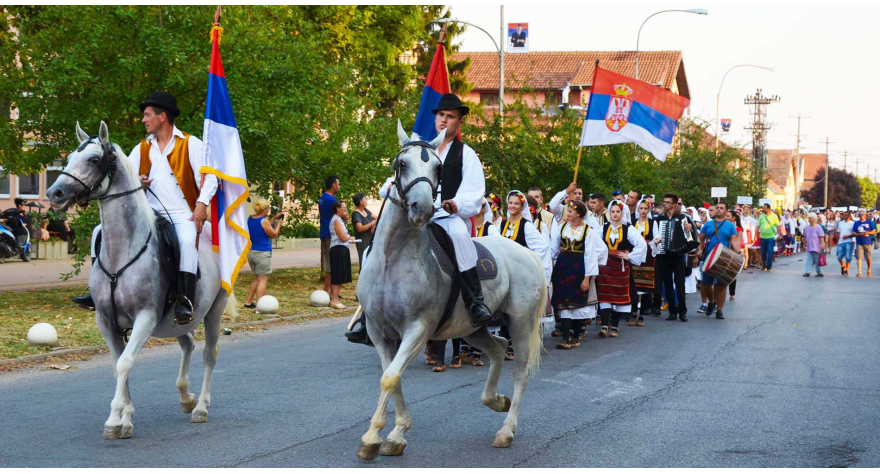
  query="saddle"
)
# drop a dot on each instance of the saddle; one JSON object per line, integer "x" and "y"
{"x": 444, "y": 252}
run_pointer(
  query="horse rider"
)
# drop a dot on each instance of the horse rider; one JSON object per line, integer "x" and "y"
{"x": 460, "y": 197}
{"x": 168, "y": 162}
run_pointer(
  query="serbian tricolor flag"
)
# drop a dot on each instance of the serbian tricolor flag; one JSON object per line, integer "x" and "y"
{"x": 224, "y": 159}
{"x": 436, "y": 85}
{"x": 624, "y": 110}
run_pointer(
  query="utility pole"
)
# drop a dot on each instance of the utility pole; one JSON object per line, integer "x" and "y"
{"x": 857, "y": 167}
{"x": 827, "y": 170}
{"x": 844, "y": 159}
{"x": 798, "y": 166}
{"x": 759, "y": 128}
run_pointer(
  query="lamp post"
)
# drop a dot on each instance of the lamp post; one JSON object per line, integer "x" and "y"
{"x": 696, "y": 11}
{"x": 498, "y": 48}
{"x": 718, "y": 98}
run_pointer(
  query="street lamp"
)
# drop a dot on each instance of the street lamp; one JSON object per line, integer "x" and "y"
{"x": 697, "y": 11}
{"x": 500, "y": 55}
{"x": 718, "y": 98}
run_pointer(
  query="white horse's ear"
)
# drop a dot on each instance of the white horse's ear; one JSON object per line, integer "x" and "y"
{"x": 401, "y": 134}
{"x": 440, "y": 137}
{"x": 103, "y": 133}
{"x": 80, "y": 134}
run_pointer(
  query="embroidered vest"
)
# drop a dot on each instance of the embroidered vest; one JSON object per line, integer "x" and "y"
{"x": 622, "y": 243}
{"x": 178, "y": 160}
{"x": 573, "y": 245}
{"x": 450, "y": 181}
{"x": 516, "y": 233}
{"x": 484, "y": 230}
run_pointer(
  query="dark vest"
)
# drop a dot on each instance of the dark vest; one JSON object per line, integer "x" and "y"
{"x": 520, "y": 233}
{"x": 484, "y": 231}
{"x": 573, "y": 246}
{"x": 452, "y": 171}
{"x": 623, "y": 244}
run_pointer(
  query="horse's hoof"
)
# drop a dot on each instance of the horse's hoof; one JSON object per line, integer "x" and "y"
{"x": 368, "y": 452}
{"x": 112, "y": 432}
{"x": 126, "y": 432}
{"x": 188, "y": 407}
{"x": 506, "y": 405}
{"x": 392, "y": 448}
{"x": 199, "y": 416}
{"x": 502, "y": 440}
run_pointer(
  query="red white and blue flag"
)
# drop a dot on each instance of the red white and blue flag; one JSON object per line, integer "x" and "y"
{"x": 624, "y": 110}
{"x": 224, "y": 159}
{"x": 436, "y": 85}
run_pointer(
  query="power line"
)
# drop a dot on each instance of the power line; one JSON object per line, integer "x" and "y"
{"x": 827, "y": 171}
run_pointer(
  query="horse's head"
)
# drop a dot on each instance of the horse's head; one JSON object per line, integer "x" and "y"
{"x": 87, "y": 170}
{"x": 417, "y": 171}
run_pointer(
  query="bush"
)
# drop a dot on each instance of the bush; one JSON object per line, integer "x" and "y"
{"x": 305, "y": 230}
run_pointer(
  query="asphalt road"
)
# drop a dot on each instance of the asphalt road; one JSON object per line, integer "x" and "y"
{"x": 789, "y": 379}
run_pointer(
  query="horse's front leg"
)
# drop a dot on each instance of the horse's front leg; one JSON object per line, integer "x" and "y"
{"x": 121, "y": 408}
{"x": 187, "y": 399}
{"x": 117, "y": 345}
{"x": 394, "y": 443}
{"x": 213, "y": 321}
{"x": 410, "y": 347}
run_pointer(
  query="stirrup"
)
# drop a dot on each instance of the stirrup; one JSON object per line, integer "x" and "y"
{"x": 177, "y": 319}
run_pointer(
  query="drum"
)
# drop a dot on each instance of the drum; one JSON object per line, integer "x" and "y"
{"x": 723, "y": 264}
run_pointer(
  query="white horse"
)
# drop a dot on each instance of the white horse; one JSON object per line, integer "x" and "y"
{"x": 99, "y": 170}
{"x": 404, "y": 292}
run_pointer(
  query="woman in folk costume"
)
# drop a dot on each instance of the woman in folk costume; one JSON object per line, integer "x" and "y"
{"x": 519, "y": 228}
{"x": 494, "y": 201}
{"x": 791, "y": 231}
{"x": 578, "y": 250}
{"x": 482, "y": 225}
{"x": 626, "y": 247}
{"x": 644, "y": 279}
{"x": 542, "y": 226}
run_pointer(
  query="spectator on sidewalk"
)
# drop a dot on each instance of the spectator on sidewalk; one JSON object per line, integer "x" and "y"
{"x": 364, "y": 226}
{"x": 814, "y": 236}
{"x": 846, "y": 242}
{"x": 340, "y": 255}
{"x": 767, "y": 224}
{"x": 260, "y": 256}
{"x": 325, "y": 210}
{"x": 863, "y": 230}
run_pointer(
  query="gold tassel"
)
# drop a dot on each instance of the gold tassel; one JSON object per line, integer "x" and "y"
{"x": 219, "y": 30}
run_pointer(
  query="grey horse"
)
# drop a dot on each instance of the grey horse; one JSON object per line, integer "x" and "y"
{"x": 99, "y": 170}
{"x": 403, "y": 293}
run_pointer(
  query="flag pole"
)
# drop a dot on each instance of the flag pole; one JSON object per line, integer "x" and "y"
{"x": 577, "y": 166}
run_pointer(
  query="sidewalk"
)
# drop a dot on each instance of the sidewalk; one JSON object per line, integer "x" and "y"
{"x": 16, "y": 275}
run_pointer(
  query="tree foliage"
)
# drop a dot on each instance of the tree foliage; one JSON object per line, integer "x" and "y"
{"x": 870, "y": 192}
{"x": 843, "y": 189}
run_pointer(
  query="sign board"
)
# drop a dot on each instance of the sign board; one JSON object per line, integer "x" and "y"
{"x": 765, "y": 201}
{"x": 725, "y": 125}
{"x": 839, "y": 209}
{"x": 745, "y": 200}
{"x": 853, "y": 208}
{"x": 517, "y": 38}
{"x": 719, "y": 192}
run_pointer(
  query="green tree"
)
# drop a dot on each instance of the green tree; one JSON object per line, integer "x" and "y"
{"x": 427, "y": 45}
{"x": 843, "y": 189}
{"x": 870, "y": 192}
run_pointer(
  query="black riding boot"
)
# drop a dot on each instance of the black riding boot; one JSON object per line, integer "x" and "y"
{"x": 183, "y": 313}
{"x": 358, "y": 335}
{"x": 472, "y": 293}
{"x": 85, "y": 301}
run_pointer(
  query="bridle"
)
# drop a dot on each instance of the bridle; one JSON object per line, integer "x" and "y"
{"x": 107, "y": 168}
{"x": 403, "y": 190}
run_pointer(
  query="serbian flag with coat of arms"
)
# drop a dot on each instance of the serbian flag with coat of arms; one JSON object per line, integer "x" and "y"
{"x": 224, "y": 159}
{"x": 624, "y": 110}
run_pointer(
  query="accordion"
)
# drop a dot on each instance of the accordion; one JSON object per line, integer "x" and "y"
{"x": 674, "y": 239}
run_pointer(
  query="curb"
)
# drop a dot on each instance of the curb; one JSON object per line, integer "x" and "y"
{"x": 93, "y": 349}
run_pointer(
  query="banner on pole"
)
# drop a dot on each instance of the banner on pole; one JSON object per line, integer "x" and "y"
{"x": 719, "y": 192}
{"x": 517, "y": 38}
{"x": 745, "y": 200}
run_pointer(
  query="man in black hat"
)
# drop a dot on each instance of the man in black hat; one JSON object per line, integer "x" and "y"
{"x": 460, "y": 197}
{"x": 168, "y": 162}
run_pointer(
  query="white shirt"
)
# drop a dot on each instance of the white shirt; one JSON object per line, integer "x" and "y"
{"x": 164, "y": 183}
{"x": 846, "y": 229}
{"x": 595, "y": 251}
{"x": 469, "y": 198}
{"x": 536, "y": 243}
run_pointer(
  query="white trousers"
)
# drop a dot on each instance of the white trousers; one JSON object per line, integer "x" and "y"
{"x": 186, "y": 237}
{"x": 460, "y": 233}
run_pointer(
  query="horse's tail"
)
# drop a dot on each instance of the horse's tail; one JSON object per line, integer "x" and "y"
{"x": 536, "y": 339}
{"x": 231, "y": 309}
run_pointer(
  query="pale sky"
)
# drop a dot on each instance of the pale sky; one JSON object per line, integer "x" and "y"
{"x": 826, "y": 59}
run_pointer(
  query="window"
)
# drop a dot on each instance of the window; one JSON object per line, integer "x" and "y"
{"x": 4, "y": 183}
{"x": 489, "y": 99}
{"x": 28, "y": 186}
{"x": 53, "y": 172}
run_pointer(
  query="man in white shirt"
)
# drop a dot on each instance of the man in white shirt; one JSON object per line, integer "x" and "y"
{"x": 168, "y": 162}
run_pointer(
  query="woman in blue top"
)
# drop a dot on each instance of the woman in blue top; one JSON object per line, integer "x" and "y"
{"x": 260, "y": 256}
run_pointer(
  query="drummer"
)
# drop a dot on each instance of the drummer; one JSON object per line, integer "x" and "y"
{"x": 718, "y": 230}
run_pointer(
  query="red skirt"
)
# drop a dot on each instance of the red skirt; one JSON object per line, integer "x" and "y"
{"x": 613, "y": 283}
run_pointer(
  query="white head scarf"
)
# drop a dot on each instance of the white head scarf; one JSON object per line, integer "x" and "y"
{"x": 527, "y": 215}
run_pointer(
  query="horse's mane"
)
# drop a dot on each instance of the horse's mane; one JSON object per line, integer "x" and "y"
{"x": 133, "y": 182}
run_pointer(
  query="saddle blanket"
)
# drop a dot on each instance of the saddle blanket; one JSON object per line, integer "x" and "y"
{"x": 487, "y": 269}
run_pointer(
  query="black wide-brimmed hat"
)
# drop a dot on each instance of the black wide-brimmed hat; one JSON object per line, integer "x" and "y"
{"x": 164, "y": 101}
{"x": 451, "y": 102}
